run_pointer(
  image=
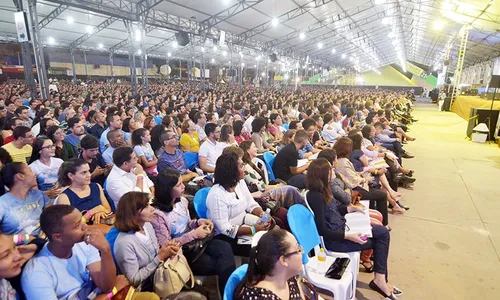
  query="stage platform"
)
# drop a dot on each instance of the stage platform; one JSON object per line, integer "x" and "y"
{"x": 463, "y": 104}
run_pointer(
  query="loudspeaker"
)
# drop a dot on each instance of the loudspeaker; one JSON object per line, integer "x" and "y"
{"x": 495, "y": 81}
{"x": 273, "y": 57}
{"x": 182, "y": 38}
{"x": 482, "y": 117}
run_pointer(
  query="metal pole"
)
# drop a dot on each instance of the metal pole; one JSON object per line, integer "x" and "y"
{"x": 257, "y": 82}
{"x": 111, "y": 64}
{"x": 180, "y": 70}
{"x": 267, "y": 73}
{"x": 38, "y": 50}
{"x": 86, "y": 66}
{"x": 231, "y": 64}
{"x": 144, "y": 58}
{"x": 131, "y": 57}
{"x": 240, "y": 75}
{"x": 73, "y": 65}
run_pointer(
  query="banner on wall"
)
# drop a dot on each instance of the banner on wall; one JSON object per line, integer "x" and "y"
{"x": 21, "y": 23}
{"x": 415, "y": 70}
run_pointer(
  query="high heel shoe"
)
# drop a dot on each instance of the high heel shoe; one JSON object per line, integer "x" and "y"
{"x": 375, "y": 287}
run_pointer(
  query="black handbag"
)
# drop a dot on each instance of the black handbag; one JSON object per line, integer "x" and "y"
{"x": 194, "y": 249}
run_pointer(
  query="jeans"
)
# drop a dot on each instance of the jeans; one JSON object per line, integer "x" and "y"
{"x": 218, "y": 259}
{"x": 379, "y": 243}
{"x": 377, "y": 198}
{"x": 298, "y": 181}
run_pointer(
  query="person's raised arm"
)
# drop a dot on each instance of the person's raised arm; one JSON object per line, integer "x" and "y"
{"x": 103, "y": 272}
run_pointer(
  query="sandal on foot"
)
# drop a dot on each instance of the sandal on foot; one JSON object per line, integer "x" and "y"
{"x": 402, "y": 206}
{"x": 375, "y": 287}
{"x": 367, "y": 269}
{"x": 396, "y": 291}
{"x": 397, "y": 211}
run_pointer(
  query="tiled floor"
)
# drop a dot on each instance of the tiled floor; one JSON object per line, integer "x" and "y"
{"x": 447, "y": 245}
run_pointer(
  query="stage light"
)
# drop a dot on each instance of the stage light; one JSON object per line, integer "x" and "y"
{"x": 90, "y": 29}
{"x": 255, "y": 66}
{"x": 275, "y": 22}
{"x": 333, "y": 50}
{"x": 320, "y": 45}
{"x": 51, "y": 41}
{"x": 439, "y": 24}
{"x": 302, "y": 35}
{"x": 101, "y": 46}
{"x": 70, "y": 20}
{"x": 343, "y": 56}
{"x": 263, "y": 74}
{"x": 169, "y": 54}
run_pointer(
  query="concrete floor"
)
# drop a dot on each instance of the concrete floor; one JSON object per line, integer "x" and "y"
{"x": 447, "y": 245}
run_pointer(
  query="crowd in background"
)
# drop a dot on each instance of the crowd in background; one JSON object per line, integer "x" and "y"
{"x": 97, "y": 184}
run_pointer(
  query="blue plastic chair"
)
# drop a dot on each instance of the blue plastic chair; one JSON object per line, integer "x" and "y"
{"x": 269, "y": 160}
{"x": 233, "y": 281}
{"x": 200, "y": 202}
{"x": 191, "y": 159}
{"x": 301, "y": 222}
{"x": 286, "y": 126}
{"x": 111, "y": 238}
{"x": 110, "y": 201}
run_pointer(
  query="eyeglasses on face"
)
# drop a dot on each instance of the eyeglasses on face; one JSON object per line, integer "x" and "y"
{"x": 49, "y": 146}
{"x": 300, "y": 250}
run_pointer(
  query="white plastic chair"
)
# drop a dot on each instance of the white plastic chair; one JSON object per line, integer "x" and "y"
{"x": 261, "y": 164}
{"x": 304, "y": 229}
{"x": 354, "y": 256}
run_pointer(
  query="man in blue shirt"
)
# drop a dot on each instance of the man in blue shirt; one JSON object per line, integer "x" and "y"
{"x": 114, "y": 122}
{"x": 173, "y": 157}
{"x": 21, "y": 207}
{"x": 77, "y": 133}
{"x": 115, "y": 138}
{"x": 75, "y": 263}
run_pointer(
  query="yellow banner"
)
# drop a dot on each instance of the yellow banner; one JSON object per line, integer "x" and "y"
{"x": 414, "y": 69}
{"x": 278, "y": 78}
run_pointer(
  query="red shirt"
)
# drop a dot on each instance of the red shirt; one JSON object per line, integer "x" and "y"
{"x": 8, "y": 139}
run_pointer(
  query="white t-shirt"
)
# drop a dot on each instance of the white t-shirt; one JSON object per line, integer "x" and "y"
{"x": 48, "y": 277}
{"x": 120, "y": 182}
{"x": 211, "y": 151}
{"x": 46, "y": 176}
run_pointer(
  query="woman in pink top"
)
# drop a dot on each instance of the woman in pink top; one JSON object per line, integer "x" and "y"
{"x": 173, "y": 221}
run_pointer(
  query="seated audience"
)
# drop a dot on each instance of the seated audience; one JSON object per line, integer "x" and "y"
{"x": 273, "y": 269}
{"x": 64, "y": 150}
{"x": 126, "y": 175}
{"x": 45, "y": 166}
{"x": 8, "y": 129}
{"x": 115, "y": 140}
{"x": 140, "y": 140}
{"x": 189, "y": 142}
{"x": 355, "y": 181}
{"x": 84, "y": 195}
{"x": 21, "y": 207}
{"x": 230, "y": 204}
{"x": 20, "y": 148}
{"x": 75, "y": 125}
{"x": 44, "y": 124}
{"x": 285, "y": 166}
{"x": 227, "y": 136}
{"x": 258, "y": 129}
{"x": 308, "y": 150}
{"x": 75, "y": 263}
{"x": 136, "y": 247}
{"x": 211, "y": 149}
{"x": 276, "y": 130}
{"x": 330, "y": 221}
{"x": 173, "y": 222}
{"x": 173, "y": 157}
{"x": 99, "y": 126}
{"x": 239, "y": 136}
{"x": 114, "y": 123}
{"x": 99, "y": 170}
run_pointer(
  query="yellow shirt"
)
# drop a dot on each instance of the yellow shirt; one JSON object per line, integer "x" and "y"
{"x": 18, "y": 155}
{"x": 190, "y": 143}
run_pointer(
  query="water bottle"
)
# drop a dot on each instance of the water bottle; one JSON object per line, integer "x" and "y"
{"x": 322, "y": 255}
{"x": 266, "y": 216}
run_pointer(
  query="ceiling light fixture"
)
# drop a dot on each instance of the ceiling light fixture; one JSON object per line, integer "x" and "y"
{"x": 302, "y": 35}
{"x": 343, "y": 56}
{"x": 101, "y": 46}
{"x": 275, "y": 22}
{"x": 90, "y": 29}
{"x": 213, "y": 60}
{"x": 169, "y": 54}
{"x": 70, "y": 20}
{"x": 333, "y": 50}
{"x": 224, "y": 53}
{"x": 215, "y": 48}
{"x": 175, "y": 44}
{"x": 320, "y": 45}
{"x": 51, "y": 41}
{"x": 386, "y": 21}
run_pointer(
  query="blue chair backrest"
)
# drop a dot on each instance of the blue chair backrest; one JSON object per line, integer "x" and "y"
{"x": 301, "y": 222}
{"x": 110, "y": 201}
{"x": 200, "y": 202}
{"x": 191, "y": 159}
{"x": 233, "y": 281}
{"x": 286, "y": 126}
{"x": 269, "y": 160}
{"x": 111, "y": 238}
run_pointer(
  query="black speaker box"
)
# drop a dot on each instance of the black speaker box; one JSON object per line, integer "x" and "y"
{"x": 495, "y": 81}
{"x": 182, "y": 38}
{"x": 273, "y": 57}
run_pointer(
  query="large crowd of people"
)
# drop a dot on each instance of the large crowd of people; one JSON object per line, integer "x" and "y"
{"x": 97, "y": 184}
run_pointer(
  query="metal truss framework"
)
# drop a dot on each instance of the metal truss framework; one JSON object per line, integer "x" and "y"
{"x": 53, "y": 15}
{"x": 95, "y": 30}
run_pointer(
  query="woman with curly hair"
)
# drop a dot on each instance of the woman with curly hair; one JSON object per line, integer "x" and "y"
{"x": 230, "y": 204}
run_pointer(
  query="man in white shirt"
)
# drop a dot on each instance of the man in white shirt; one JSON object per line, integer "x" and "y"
{"x": 211, "y": 149}
{"x": 247, "y": 126}
{"x": 126, "y": 175}
{"x": 200, "y": 120}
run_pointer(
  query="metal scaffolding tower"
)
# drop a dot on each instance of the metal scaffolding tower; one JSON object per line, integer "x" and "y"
{"x": 38, "y": 50}
{"x": 131, "y": 56}
{"x": 464, "y": 34}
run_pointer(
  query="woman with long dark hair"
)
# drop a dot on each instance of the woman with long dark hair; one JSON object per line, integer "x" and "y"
{"x": 173, "y": 222}
{"x": 273, "y": 268}
{"x": 64, "y": 150}
{"x": 143, "y": 150}
{"x": 329, "y": 217}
